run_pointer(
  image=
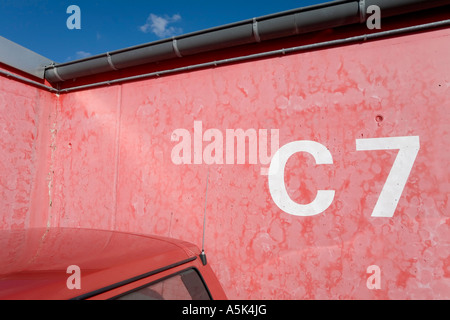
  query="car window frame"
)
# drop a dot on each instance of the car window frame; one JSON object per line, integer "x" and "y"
{"x": 179, "y": 272}
{"x": 150, "y": 274}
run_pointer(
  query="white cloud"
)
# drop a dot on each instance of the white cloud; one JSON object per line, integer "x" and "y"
{"x": 82, "y": 54}
{"x": 79, "y": 55}
{"x": 160, "y": 25}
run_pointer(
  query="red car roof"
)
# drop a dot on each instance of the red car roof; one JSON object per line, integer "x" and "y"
{"x": 34, "y": 262}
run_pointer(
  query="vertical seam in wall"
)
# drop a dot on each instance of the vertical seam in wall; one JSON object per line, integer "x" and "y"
{"x": 117, "y": 158}
{"x": 35, "y": 160}
{"x": 53, "y": 115}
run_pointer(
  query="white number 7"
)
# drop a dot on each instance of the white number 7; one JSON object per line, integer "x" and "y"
{"x": 396, "y": 180}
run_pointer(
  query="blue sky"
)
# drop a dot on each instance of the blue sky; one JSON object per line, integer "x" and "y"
{"x": 108, "y": 25}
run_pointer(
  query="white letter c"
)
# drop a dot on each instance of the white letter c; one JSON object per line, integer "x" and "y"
{"x": 277, "y": 186}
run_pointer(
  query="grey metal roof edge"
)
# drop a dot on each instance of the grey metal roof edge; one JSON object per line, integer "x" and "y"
{"x": 277, "y": 52}
{"x": 23, "y": 59}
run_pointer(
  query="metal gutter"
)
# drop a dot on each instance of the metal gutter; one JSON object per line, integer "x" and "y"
{"x": 283, "y": 24}
{"x": 360, "y": 38}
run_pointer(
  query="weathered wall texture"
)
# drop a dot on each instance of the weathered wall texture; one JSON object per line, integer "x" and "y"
{"x": 25, "y": 116}
{"x": 115, "y": 166}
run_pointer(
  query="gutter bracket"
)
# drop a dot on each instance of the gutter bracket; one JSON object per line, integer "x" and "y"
{"x": 255, "y": 30}
{"x": 111, "y": 64}
{"x": 362, "y": 11}
{"x": 175, "y": 48}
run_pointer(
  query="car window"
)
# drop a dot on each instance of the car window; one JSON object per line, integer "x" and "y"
{"x": 186, "y": 285}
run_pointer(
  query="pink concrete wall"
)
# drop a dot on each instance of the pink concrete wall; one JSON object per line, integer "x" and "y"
{"x": 112, "y": 168}
{"x": 25, "y": 117}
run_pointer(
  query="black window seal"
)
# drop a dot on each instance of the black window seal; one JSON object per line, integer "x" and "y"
{"x": 165, "y": 278}
{"x": 133, "y": 279}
